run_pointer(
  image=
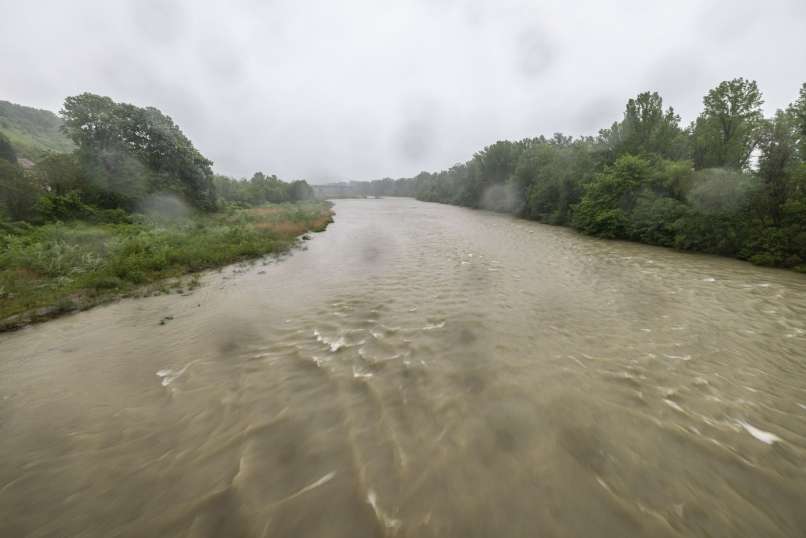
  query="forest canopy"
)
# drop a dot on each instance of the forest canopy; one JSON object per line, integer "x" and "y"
{"x": 731, "y": 183}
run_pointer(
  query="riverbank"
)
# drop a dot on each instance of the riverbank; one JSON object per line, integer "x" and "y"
{"x": 50, "y": 270}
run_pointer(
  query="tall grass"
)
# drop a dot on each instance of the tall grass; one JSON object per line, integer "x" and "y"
{"x": 78, "y": 264}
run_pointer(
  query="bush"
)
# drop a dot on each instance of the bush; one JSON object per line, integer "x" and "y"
{"x": 610, "y": 197}
{"x": 54, "y": 207}
{"x": 655, "y": 219}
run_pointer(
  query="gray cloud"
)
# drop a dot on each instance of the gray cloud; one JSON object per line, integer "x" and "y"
{"x": 359, "y": 89}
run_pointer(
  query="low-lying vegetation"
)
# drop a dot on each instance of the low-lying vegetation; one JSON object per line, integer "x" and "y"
{"x": 57, "y": 267}
{"x": 124, "y": 205}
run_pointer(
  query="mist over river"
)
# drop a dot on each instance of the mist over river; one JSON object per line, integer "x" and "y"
{"x": 420, "y": 370}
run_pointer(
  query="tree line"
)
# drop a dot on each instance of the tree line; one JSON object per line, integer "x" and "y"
{"x": 124, "y": 155}
{"x": 731, "y": 183}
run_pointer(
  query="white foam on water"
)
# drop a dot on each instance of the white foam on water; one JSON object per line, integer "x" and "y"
{"x": 169, "y": 376}
{"x": 324, "y": 480}
{"x": 604, "y": 484}
{"x": 709, "y": 279}
{"x": 388, "y": 522}
{"x": 678, "y": 357}
{"x": 673, "y": 405}
{"x": 334, "y": 345}
{"x": 338, "y": 344}
{"x": 802, "y": 406}
{"x": 434, "y": 326}
{"x": 761, "y": 435}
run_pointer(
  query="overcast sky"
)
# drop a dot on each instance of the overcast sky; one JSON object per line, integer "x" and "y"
{"x": 352, "y": 89}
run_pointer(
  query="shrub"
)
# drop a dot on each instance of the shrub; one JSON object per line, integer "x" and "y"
{"x": 55, "y": 207}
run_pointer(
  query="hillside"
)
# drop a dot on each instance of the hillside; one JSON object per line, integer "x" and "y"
{"x": 33, "y": 132}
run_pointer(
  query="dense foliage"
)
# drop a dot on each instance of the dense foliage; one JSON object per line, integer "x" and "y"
{"x": 127, "y": 152}
{"x": 127, "y": 159}
{"x": 732, "y": 183}
{"x": 133, "y": 203}
{"x": 261, "y": 189}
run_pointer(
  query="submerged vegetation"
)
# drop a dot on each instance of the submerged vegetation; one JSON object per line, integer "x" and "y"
{"x": 732, "y": 183}
{"x": 134, "y": 203}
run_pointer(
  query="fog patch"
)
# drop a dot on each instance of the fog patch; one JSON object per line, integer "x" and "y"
{"x": 417, "y": 136}
{"x": 533, "y": 52}
{"x": 598, "y": 112}
{"x": 221, "y": 59}
{"x": 721, "y": 191}
{"x": 721, "y": 23}
{"x": 116, "y": 170}
{"x": 159, "y": 21}
{"x": 164, "y": 205}
{"x": 502, "y": 197}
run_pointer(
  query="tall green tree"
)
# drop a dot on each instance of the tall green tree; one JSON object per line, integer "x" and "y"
{"x": 611, "y": 196}
{"x": 131, "y": 151}
{"x": 778, "y": 162}
{"x": 727, "y": 131}
{"x": 798, "y": 112}
{"x": 646, "y": 129}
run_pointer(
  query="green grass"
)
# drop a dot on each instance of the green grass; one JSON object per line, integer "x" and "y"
{"x": 46, "y": 270}
{"x": 33, "y": 133}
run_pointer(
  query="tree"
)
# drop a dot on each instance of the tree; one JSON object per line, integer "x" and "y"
{"x": 131, "y": 151}
{"x": 798, "y": 113}
{"x": 777, "y": 163}
{"x": 611, "y": 196}
{"x": 7, "y": 152}
{"x": 726, "y": 133}
{"x": 300, "y": 190}
{"x": 648, "y": 129}
{"x": 551, "y": 175}
{"x": 60, "y": 173}
{"x": 18, "y": 194}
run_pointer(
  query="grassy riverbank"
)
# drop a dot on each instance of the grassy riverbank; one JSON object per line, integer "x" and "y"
{"x": 60, "y": 267}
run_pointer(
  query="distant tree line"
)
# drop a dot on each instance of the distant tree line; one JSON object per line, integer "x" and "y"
{"x": 732, "y": 183}
{"x": 362, "y": 189}
{"x": 261, "y": 189}
{"x": 124, "y": 156}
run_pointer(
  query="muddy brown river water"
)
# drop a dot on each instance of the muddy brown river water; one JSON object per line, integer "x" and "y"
{"x": 420, "y": 370}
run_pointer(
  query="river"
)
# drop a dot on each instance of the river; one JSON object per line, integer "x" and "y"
{"x": 420, "y": 370}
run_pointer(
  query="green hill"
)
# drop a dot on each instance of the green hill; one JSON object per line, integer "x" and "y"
{"x": 34, "y": 133}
